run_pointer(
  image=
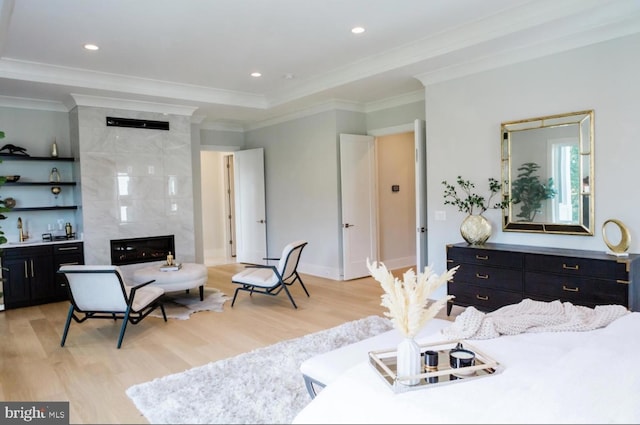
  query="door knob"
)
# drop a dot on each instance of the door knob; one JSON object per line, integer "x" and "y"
{"x": 347, "y": 225}
{"x": 261, "y": 221}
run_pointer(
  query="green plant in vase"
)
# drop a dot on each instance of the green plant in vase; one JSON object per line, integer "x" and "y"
{"x": 475, "y": 228}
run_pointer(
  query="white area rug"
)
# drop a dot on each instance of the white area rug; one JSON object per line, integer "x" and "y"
{"x": 180, "y": 305}
{"x": 262, "y": 386}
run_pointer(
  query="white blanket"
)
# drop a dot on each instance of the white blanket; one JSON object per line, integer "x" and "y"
{"x": 547, "y": 377}
{"x": 532, "y": 316}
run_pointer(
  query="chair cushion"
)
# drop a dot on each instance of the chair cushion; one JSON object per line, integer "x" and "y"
{"x": 145, "y": 296}
{"x": 263, "y": 277}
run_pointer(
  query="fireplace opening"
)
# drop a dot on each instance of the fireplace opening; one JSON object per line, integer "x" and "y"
{"x": 141, "y": 250}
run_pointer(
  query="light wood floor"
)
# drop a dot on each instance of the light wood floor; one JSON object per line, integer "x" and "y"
{"x": 93, "y": 375}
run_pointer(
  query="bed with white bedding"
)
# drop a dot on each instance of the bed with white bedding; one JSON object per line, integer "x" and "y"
{"x": 547, "y": 377}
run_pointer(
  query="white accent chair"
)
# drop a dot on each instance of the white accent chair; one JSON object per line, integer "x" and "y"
{"x": 270, "y": 279}
{"x": 100, "y": 292}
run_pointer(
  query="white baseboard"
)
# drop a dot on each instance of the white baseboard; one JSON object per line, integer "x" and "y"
{"x": 320, "y": 271}
{"x": 399, "y": 263}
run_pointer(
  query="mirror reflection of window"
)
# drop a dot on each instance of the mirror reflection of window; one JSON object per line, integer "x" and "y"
{"x": 565, "y": 173}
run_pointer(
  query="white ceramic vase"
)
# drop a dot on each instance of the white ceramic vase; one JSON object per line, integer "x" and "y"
{"x": 409, "y": 361}
{"x": 475, "y": 229}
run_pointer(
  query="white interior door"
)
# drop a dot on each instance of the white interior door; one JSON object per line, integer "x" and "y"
{"x": 421, "y": 194}
{"x": 251, "y": 224}
{"x": 359, "y": 206}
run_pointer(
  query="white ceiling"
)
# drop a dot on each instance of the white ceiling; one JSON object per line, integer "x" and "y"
{"x": 199, "y": 53}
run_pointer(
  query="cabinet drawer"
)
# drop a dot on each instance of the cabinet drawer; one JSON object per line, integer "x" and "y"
{"x": 67, "y": 248}
{"x": 487, "y": 257}
{"x": 490, "y": 277}
{"x": 26, "y": 251}
{"x": 576, "y": 289}
{"x": 482, "y": 298}
{"x": 573, "y": 266}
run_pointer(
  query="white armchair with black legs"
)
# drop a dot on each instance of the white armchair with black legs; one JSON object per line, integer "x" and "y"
{"x": 100, "y": 292}
{"x": 271, "y": 279}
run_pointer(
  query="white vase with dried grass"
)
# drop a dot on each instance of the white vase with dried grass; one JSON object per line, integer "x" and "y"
{"x": 410, "y": 308}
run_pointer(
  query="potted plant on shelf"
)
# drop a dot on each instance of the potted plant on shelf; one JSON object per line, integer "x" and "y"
{"x": 475, "y": 228}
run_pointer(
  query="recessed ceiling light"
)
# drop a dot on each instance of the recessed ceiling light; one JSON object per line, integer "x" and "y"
{"x": 357, "y": 30}
{"x": 256, "y": 74}
{"x": 89, "y": 46}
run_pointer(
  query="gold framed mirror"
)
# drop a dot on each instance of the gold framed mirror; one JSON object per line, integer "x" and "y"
{"x": 548, "y": 174}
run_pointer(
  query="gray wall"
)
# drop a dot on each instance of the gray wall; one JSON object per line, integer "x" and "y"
{"x": 463, "y": 135}
{"x": 302, "y": 182}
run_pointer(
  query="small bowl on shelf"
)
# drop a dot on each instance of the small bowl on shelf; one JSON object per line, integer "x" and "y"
{"x": 12, "y": 179}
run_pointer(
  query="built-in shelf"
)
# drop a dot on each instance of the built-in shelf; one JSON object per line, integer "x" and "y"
{"x": 19, "y": 183}
{"x": 24, "y": 184}
{"x": 70, "y": 207}
{"x": 10, "y": 157}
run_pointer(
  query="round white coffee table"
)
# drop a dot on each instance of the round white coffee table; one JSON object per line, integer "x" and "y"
{"x": 190, "y": 276}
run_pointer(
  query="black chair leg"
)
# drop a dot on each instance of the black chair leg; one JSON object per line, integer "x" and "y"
{"x": 124, "y": 326}
{"x": 235, "y": 294}
{"x": 289, "y": 295}
{"x": 66, "y": 326}
{"x": 201, "y": 292}
{"x": 302, "y": 283}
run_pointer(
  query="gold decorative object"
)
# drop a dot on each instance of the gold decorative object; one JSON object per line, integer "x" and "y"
{"x": 625, "y": 238}
{"x": 475, "y": 229}
{"x": 54, "y": 177}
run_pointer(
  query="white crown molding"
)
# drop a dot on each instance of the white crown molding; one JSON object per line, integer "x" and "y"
{"x": 132, "y": 105}
{"x": 504, "y": 24}
{"x": 24, "y": 103}
{"x": 392, "y": 102}
{"x": 73, "y": 77}
{"x": 533, "y": 51}
{"x": 222, "y": 126}
{"x": 308, "y": 111}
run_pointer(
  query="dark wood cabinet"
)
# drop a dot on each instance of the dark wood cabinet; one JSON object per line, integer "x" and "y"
{"x": 67, "y": 254}
{"x": 29, "y": 273}
{"x": 494, "y": 275}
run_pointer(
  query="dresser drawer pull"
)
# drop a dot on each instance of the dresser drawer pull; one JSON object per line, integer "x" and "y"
{"x": 482, "y": 298}
{"x": 564, "y": 288}
{"x": 564, "y": 266}
{"x": 482, "y": 276}
{"x": 482, "y": 257}
{"x": 68, "y": 248}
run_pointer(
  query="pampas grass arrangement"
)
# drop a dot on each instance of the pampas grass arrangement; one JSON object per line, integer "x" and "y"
{"x": 407, "y": 300}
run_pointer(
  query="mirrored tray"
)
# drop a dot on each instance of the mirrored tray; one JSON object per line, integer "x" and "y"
{"x": 385, "y": 364}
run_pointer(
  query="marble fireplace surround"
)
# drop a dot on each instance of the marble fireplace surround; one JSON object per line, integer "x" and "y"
{"x": 132, "y": 182}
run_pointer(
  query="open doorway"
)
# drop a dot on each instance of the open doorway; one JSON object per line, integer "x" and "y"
{"x": 218, "y": 213}
{"x": 396, "y": 187}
